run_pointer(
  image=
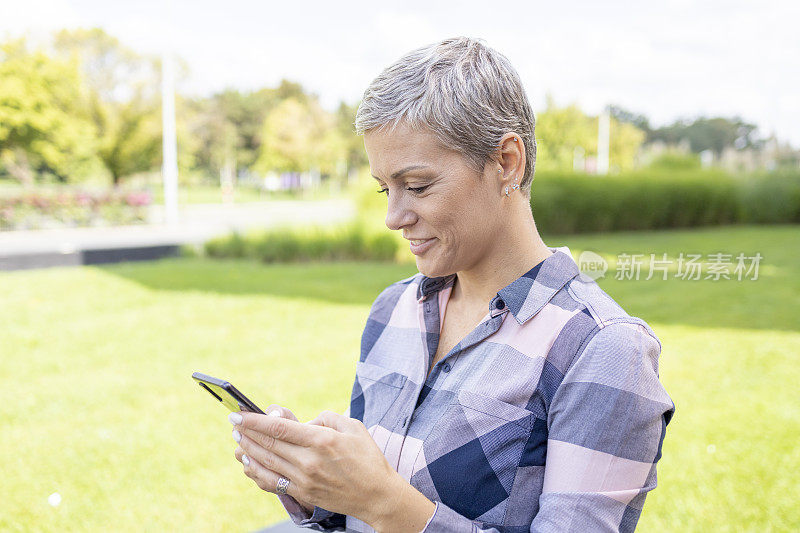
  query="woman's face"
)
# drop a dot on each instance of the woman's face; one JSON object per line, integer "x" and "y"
{"x": 436, "y": 198}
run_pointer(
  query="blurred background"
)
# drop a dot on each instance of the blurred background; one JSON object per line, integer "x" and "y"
{"x": 181, "y": 190}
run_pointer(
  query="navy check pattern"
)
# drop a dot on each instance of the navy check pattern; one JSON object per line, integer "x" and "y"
{"x": 548, "y": 416}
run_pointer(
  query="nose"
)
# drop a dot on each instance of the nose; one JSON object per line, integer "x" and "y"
{"x": 399, "y": 212}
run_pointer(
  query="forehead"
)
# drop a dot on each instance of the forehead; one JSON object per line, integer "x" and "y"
{"x": 388, "y": 151}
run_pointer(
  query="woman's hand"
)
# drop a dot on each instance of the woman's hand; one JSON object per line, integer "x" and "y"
{"x": 332, "y": 462}
{"x": 284, "y": 413}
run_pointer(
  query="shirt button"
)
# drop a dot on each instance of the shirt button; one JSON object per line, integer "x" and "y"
{"x": 446, "y": 367}
{"x": 500, "y": 303}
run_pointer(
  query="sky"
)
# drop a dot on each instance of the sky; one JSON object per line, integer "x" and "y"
{"x": 667, "y": 60}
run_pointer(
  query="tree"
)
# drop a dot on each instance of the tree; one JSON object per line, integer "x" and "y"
{"x": 124, "y": 100}
{"x": 227, "y": 127}
{"x": 43, "y": 125}
{"x": 562, "y": 130}
{"x": 714, "y": 134}
{"x": 629, "y": 117}
{"x": 299, "y": 136}
{"x": 354, "y": 153}
{"x": 559, "y": 131}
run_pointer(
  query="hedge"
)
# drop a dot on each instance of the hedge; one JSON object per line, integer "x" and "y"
{"x": 562, "y": 203}
{"x": 580, "y": 203}
{"x": 54, "y": 209}
{"x": 348, "y": 242}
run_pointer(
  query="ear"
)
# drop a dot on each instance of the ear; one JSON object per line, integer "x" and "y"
{"x": 509, "y": 160}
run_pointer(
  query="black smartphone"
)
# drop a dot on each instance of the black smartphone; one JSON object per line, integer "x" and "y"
{"x": 226, "y": 393}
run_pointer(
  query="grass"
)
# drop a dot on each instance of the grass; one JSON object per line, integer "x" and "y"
{"x": 100, "y": 407}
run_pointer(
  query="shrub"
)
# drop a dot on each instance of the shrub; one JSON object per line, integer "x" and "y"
{"x": 676, "y": 161}
{"x": 59, "y": 208}
{"x": 562, "y": 203}
{"x": 656, "y": 199}
{"x": 770, "y": 198}
{"x": 349, "y": 242}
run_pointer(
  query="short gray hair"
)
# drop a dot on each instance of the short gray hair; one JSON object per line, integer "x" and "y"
{"x": 465, "y": 92}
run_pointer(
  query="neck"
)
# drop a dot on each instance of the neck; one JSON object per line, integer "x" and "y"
{"x": 520, "y": 249}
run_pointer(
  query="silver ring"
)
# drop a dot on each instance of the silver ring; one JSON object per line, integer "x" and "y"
{"x": 283, "y": 484}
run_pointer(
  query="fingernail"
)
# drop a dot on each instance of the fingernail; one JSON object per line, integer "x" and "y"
{"x": 237, "y": 436}
{"x": 235, "y": 419}
{"x": 274, "y": 412}
{"x": 245, "y": 460}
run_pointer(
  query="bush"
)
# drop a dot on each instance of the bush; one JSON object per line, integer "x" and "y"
{"x": 770, "y": 198}
{"x": 656, "y": 199}
{"x": 676, "y": 161}
{"x": 562, "y": 203}
{"x": 59, "y": 208}
{"x": 350, "y": 242}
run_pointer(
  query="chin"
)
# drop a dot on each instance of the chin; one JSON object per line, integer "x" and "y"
{"x": 432, "y": 271}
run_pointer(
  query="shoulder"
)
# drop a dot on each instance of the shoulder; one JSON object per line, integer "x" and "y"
{"x": 603, "y": 309}
{"x": 605, "y": 315}
{"x": 601, "y": 343}
{"x": 616, "y": 356}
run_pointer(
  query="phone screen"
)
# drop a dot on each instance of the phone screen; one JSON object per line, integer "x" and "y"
{"x": 226, "y": 393}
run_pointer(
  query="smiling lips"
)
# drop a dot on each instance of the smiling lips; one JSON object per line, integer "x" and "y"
{"x": 419, "y": 246}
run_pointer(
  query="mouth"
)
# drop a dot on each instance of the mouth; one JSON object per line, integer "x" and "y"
{"x": 419, "y": 246}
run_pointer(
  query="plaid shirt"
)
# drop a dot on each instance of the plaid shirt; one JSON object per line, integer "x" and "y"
{"x": 548, "y": 416}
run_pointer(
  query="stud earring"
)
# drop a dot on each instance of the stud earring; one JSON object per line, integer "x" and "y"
{"x": 506, "y": 190}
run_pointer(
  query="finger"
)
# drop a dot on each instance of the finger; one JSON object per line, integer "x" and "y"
{"x": 333, "y": 420}
{"x": 269, "y": 460}
{"x": 284, "y": 412}
{"x": 266, "y": 479}
{"x": 242, "y": 457}
{"x": 278, "y": 428}
{"x": 287, "y": 450}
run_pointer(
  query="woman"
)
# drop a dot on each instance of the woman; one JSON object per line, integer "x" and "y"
{"x": 497, "y": 390}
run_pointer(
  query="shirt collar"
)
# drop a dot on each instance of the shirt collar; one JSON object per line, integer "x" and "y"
{"x": 525, "y": 296}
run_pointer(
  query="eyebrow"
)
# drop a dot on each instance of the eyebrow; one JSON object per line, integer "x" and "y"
{"x": 401, "y": 172}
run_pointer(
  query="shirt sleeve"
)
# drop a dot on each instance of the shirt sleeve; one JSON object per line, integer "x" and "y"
{"x": 606, "y": 422}
{"x": 320, "y": 520}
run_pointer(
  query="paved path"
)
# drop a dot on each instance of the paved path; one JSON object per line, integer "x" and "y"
{"x": 197, "y": 223}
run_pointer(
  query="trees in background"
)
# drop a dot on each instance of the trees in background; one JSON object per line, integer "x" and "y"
{"x": 44, "y": 124}
{"x": 272, "y": 129}
{"x": 566, "y": 137}
{"x": 702, "y": 133}
{"x": 299, "y": 135}
{"x": 88, "y": 106}
{"x": 124, "y": 99}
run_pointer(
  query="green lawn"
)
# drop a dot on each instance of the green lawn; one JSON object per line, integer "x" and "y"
{"x": 100, "y": 407}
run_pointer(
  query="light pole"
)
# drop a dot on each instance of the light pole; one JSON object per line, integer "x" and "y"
{"x": 169, "y": 163}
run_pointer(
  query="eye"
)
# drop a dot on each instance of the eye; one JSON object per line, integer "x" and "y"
{"x": 417, "y": 189}
{"x": 385, "y": 191}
